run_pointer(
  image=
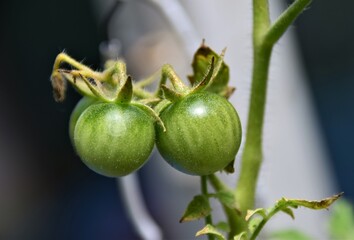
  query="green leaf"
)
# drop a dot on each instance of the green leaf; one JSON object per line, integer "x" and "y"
{"x": 241, "y": 236}
{"x": 260, "y": 211}
{"x": 201, "y": 64}
{"x": 198, "y": 208}
{"x": 316, "y": 205}
{"x": 289, "y": 211}
{"x": 223, "y": 226}
{"x": 342, "y": 221}
{"x": 289, "y": 234}
{"x": 227, "y": 198}
{"x": 285, "y": 205}
{"x": 211, "y": 230}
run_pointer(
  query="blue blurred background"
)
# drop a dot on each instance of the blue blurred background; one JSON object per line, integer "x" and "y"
{"x": 45, "y": 190}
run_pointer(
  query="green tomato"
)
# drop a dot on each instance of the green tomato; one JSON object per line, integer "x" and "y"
{"x": 203, "y": 134}
{"x": 114, "y": 139}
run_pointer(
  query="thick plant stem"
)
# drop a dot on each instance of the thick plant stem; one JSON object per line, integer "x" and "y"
{"x": 264, "y": 38}
{"x": 252, "y": 155}
{"x": 204, "y": 189}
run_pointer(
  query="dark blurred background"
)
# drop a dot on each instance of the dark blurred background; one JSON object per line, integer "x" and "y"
{"x": 45, "y": 190}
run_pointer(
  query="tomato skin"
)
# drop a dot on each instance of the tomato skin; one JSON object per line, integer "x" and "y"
{"x": 81, "y": 106}
{"x": 114, "y": 139}
{"x": 203, "y": 134}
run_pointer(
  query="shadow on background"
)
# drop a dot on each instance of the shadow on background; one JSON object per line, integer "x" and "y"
{"x": 45, "y": 190}
{"x": 326, "y": 37}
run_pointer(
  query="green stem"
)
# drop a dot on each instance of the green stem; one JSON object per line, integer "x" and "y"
{"x": 264, "y": 37}
{"x": 252, "y": 155}
{"x": 141, "y": 93}
{"x": 279, "y": 27}
{"x": 204, "y": 188}
{"x": 260, "y": 226}
{"x": 230, "y": 213}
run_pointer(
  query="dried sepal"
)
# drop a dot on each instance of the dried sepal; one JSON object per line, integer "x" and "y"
{"x": 59, "y": 86}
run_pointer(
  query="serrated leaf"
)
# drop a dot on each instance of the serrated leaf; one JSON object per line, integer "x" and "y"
{"x": 201, "y": 64}
{"x": 289, "y": 234}
{"x": 198, "y": 208}
{"x": 342, "y": 221}
{"x": 223, "y": 226}
{"x": 211, "y": 230}
{"x": 253, "y": 223}
{"x": 289, "y": 211}
{"x": 322, "y": 204}
{"x": 260, "y": 211}
{"x": 240, "y": 236}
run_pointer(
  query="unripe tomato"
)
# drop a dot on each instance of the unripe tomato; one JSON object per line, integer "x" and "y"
{"x": 114, "y": 139}
{"x": 203, "y": 134}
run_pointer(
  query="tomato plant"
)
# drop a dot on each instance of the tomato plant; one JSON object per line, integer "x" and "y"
{"x": 203, "y": 133}
{"x": 112, "y": 128}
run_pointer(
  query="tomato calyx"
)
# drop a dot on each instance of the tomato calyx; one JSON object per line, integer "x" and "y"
{"x": 112, "y": 85}
{"x": 215, "y": 76}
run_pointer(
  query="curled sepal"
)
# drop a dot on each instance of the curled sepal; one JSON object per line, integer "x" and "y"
{"x": 150, "y": 112}
{"x": 251, "y": 213}
{"x": 206, "y": 80}
{"x": 201, "y": 63}
{"x": 170, "y": 94}
{"x": 230, "y": 167}
{"x": 96, "y": 88}
{"x": 77, "y": 82}
{"x": 125, "y": 94}
{"x": 240, "y": 236}
{"x": 210, "y": 230}
{"x": 150, "y": 101}
{"x": 162, "y": 105}
{"x": 198, "y": 208}
{"x": 228, "y": 91}
{"x": 59, "y": 87}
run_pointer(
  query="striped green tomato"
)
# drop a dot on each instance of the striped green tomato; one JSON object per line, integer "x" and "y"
{"x": 203, "y": 133}
{"x": 113, "y": 139}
